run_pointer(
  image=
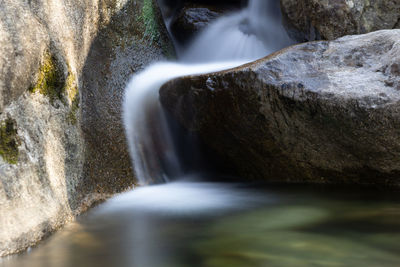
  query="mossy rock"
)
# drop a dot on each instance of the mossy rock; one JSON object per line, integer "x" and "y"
{"x": 72, "y": 115}
{"x": 51, "y": 81}
{"x": 149, "y": 19}
{"x": 154, "y": 30}
{"x": 72, "y": 94}
{"x": 9, "y": 141}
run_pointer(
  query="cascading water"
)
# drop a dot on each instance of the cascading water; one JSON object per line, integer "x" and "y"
{"x": 149, "y": 135}
{"x": 247, "y": 35}
{"x": 191, "y": 223}
{"x": 228, "y": 42}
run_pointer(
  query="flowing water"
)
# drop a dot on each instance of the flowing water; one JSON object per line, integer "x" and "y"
{"x": 230, "y": 41}
{"x": 249, "y": 34}
{"x": 149, "y": 134}
{"x": 185, "y": 221}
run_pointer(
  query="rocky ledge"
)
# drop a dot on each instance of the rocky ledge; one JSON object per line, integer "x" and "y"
{"x": 326, "y": 111}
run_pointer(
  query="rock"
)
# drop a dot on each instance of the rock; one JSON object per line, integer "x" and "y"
{"x": 191, "y": 20}
{"x": 312, "y": 19}
{"x": 125, "y": 46}
{"x": 189, "y": 17}
{"x": 208, "y": 2}
{"x": 60, "y": 63}
{"x": 326, "y": 111}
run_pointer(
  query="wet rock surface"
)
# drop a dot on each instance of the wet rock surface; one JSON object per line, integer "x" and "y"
{"x": 192, "y": 20}
{"x": 325, "y": 111}
{"x": 312, "y": 19}
{"x": 190, "y": 17}
{"x": 61, "y": 63}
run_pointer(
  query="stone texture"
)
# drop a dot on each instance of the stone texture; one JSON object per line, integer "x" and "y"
{"x": 120, "y": 50}
{"x": 189, "y": 17}
{"x": 208, "y": 2}
{"x": 329, "y": 19}
{"x": 191, "y": 20}
{"x": 325, "y": 111}
{"x": 63, "y": 67}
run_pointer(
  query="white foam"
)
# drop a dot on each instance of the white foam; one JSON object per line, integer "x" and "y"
{"x": 183, "y": 197}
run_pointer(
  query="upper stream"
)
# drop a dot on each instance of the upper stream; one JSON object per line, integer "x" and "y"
{"x": 183, "y": 220}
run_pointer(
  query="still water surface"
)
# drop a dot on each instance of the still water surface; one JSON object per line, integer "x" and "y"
{"x": 217, "y": 224}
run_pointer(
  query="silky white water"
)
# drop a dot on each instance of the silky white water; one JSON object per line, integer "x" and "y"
{"x": 249, "y": 34}
{"x": 230, "y": 41}
{"x": 149, "y": 138}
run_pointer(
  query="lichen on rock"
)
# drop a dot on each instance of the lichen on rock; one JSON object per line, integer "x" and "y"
{"x": 70, "y": 87}
{"x": 72, "y": 93}
{"x": 50, "y": 80}
{"x": 72, "y": 115}
{"x": 9, "y": 141}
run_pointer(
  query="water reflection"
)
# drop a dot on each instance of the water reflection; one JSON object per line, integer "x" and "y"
{"x": 216, "y": 224}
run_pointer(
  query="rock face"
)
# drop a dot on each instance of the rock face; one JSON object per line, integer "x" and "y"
{"x": 57, "y": 69}
{"x": 126, "y": 45}
{"x": 325, "y": 111}
{"x": 330, "y": 19}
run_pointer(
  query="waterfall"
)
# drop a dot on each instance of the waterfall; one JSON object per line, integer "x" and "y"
{"x": 230, "y": 41}
{"x": 149, "y": 135}
{"x": 248, "y": 35}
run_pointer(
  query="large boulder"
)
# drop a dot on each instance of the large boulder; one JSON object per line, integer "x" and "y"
{"x": 60, "y": 63}
{"x": 326, "y": 111}
{"x": 314, "y": 19}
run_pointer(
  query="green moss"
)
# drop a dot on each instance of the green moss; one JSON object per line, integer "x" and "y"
{"x": 71, "y": 89}
{"x": 70, "y": 86}
{"x": 148, "y": 18}
{"x": 9, "y": 141}
{"x": 72, "y": 115}
{"x": 51, "y": 79}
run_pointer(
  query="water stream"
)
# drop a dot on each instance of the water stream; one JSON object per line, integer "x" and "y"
{"x": 183, "y": 220}
{"x": 230, "y": 41}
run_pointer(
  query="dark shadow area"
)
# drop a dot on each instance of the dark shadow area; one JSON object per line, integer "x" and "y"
{"x": 196, "y": 157}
